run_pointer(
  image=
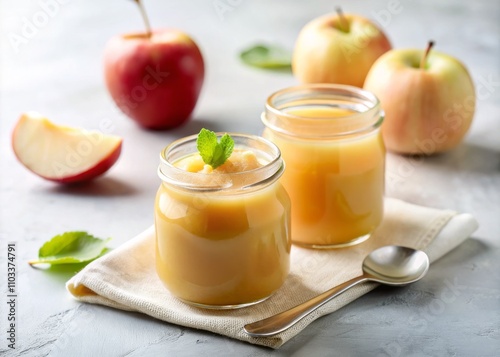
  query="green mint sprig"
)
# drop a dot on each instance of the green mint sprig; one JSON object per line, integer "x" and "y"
{"x": 214, "y": 152}
{"x": 71, "y": 248}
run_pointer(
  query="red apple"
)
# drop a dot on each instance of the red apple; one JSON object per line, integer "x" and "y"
{"x": 63, "y": 154}
{"x": 154, "y": 77}
{"x": 428, "y": 98}
{"x": 338, "y": 48}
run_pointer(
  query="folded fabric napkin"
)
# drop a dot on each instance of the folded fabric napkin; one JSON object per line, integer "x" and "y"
{"x": 126, "y": 278}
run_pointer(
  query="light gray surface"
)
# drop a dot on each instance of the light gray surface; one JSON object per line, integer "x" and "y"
{"x": 454, "y": 311}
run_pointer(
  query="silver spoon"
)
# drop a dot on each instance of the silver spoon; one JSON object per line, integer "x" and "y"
{"x": 390, "y": 265}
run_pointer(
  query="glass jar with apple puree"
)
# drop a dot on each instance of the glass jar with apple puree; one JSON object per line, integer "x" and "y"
{"x": 222, "y": 238}
{"x": 329, "y": 136}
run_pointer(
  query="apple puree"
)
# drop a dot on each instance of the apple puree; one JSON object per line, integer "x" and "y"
{"x": 336, "y": 186}
{"x": 216, "y": 249}
{"x": 239, "y": 161}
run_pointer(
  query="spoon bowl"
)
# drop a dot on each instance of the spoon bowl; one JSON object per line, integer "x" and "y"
{"x": 391, "y": 265}
{"x": 396, "y": 265}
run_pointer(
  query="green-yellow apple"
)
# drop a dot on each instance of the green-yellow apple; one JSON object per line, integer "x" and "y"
{"x": 154, "y": 77}
{"x": 338, "y": 48}
{"x": 428, "y": 98}
{"x": 63, "y": 154}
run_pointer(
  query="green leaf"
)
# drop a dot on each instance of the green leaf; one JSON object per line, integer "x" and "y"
{"x": 213, "y": 152}
{"x": 70, "y": 248}
{"x": 269, "y": 57}
{"x": 227, "y": 144}
{"x": 206, "y": 142}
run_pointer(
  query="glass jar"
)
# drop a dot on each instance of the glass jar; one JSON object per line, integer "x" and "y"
{"x": 329, "y": 136}
{"x": 222, "y": 239}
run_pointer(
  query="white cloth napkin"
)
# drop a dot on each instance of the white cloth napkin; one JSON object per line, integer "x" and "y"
{"x": 126, "y": 278}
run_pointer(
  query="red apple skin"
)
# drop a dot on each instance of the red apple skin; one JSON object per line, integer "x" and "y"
{"x": 427, "y": 111}
{"x": 93, "y": 172}
{"x": 156, "y": 81}
{"x": 325, "y": 54}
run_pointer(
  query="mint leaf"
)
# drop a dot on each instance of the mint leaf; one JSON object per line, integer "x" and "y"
{"x": 227, "y": 144}
{"x": 205, "y": 143}
{"x": 70, "y": 248}
{"x": 269, "y": 57}
{"x": 214, "y": 152}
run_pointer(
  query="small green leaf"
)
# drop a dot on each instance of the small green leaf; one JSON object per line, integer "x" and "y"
{"x": 269, "y": 57}
{"x": 227, "y": 144}
{"x": 70, "y": 248}
{"x": 206, "y": 142}
{"x": 213, "y": 152}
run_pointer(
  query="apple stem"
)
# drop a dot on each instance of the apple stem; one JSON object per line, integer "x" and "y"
{"x": 144, "y": 17}
{"x": 344, "y": 24}
{"x": 423, "y": 61}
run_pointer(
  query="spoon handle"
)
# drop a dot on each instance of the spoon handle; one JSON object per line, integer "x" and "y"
{"x": 282, "y": 321}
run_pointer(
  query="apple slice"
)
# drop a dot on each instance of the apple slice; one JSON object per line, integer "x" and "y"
{"x": 63, "y": 154}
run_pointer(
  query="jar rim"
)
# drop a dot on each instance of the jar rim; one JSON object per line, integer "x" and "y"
{"x": 359, "y": 122}
{"x": 242, "y": 180}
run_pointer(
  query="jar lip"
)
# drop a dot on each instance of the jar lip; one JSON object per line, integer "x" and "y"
{"x": 172, "y": 174}
{"x": 341, "y": 90}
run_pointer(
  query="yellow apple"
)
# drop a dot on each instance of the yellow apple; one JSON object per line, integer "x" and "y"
{"x": 428, "y": 98}
{"x": 338, "y": 48}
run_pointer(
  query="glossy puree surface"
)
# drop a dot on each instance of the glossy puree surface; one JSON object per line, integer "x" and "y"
{"x": 221, "y": 249}
{"x": 336, "y": 185}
